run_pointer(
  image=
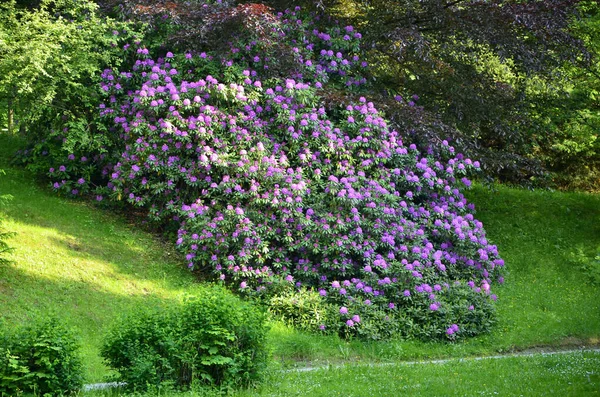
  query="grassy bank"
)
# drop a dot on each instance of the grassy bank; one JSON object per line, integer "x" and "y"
{"x": 82, "y": 264}
{"x": 88, "y": 266}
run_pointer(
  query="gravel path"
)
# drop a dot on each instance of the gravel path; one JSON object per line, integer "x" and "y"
{"x": 100, "y": 386}
{"x": 443, "y": 361}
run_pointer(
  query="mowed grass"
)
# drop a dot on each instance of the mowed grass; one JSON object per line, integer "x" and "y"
{"x": 573, "y": 374}
{"x": 79, "y": 263}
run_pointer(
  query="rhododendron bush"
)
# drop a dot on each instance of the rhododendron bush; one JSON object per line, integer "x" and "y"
{"x": 273, "y": 188}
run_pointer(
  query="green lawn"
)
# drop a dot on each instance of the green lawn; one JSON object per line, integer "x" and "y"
{"x": 566, "y": 375}
{"x": 548, "y": 298}
{"x": 573, "y": 374}
{"x": 88, "y": 266}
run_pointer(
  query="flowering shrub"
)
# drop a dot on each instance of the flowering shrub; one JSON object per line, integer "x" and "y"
{"x": 269, "y": 186}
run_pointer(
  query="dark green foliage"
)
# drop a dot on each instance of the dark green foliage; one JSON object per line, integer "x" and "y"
{"x": 478, "y": 67}
{"x": 41, "y": 358}
{"x": 568, "y": 139}
{"x": 471, "y": 63}
{"x": 213, "y": 338}
{"x": 568, "y": 136}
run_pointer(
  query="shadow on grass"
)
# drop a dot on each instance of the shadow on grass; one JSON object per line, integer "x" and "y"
{"x": 87, "y": 233}
{"x": 88, "y": 308}
{"x": 81, "y": 304}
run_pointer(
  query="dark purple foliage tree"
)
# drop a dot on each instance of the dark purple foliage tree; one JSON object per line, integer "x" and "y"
{"x": 441, "y": 50}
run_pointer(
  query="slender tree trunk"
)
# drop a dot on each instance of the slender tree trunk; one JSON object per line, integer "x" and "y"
{"x": 11, "y": 115}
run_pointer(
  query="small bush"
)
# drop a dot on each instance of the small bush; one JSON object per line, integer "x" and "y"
{"x": 213, "y": 338}
{"x": 303, "y": 309}
{"x": 41, "y": 358}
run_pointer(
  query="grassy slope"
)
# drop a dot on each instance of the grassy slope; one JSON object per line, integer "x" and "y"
{"x": 82, "y": 264}
{"x": 88, "y": 266}
{"x": 548, "y": 298}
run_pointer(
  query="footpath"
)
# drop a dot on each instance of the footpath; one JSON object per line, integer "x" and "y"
{"x": 527, "y": 353}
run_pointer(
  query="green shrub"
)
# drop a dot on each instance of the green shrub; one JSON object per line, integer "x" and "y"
{"x": 41, "y": 358}
{"x": 589, "y": 265}
{"x": 302, "y": 309}
{"x": 51, "y": 57}
{"x": 213, "y": 338}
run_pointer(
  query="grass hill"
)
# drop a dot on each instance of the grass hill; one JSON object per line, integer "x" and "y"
{"x": 88, "y": 266}
{"x": 81, "y": 263}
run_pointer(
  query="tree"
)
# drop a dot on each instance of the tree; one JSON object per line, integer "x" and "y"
{"x": 4, "y": 247}
{"x": 473, "y": 64}
{"x": 569, "y": 138}
{"x": 50, "y": 56}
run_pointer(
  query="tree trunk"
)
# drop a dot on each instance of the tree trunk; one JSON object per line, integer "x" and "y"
{"x": 11, "y": 116}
